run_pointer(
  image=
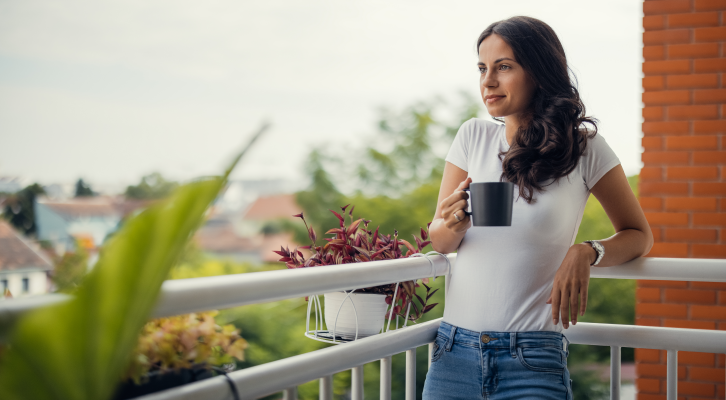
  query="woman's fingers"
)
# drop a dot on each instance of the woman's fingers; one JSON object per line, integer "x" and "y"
{"x": 583, "y": 299}
{"x": 555, "y": 297}
{"x": 574, "y": 295}
{"x": 565, "y": 308}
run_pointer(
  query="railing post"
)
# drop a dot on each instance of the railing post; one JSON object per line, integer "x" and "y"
{"x": 290, "y": 394}
{"x": 615, "y": 372}
{"x": 431, "y": 352}
{"x": 357, "y": 384}
{"x": 326, "y": 388}
{"x": 672, "y": 375}
{"x": 386, "y": 364}
{"x": 411, "y": 374}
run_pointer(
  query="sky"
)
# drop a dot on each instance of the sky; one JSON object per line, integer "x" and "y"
{"x": 110, "y": 91}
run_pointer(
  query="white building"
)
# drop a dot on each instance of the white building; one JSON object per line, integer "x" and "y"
{"x": 24, "y": 269}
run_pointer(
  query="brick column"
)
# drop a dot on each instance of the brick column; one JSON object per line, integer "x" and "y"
{"x": 683, "y": 183}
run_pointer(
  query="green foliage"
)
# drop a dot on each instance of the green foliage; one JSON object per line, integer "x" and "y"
{"x": 69, "y": 269}
{"x": 152, "y": 186}
{"x": 83, "y": 189}
{"x": 19, "y": 209}
{"x": 85, "y": 353}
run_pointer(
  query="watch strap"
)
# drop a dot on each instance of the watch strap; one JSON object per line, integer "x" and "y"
{"x": 599, "y": 249}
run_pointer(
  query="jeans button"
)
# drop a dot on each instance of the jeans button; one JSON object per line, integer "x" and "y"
{"x": 485, "y": 338}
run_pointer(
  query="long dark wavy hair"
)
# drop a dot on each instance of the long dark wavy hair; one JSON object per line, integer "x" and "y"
{"x": 552, "y": 136}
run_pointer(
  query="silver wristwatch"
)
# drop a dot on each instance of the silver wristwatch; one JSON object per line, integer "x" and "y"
{"x": 599, "y": 248}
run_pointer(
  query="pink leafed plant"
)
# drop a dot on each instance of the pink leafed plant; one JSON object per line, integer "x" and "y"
{"x": 355, "y": 243}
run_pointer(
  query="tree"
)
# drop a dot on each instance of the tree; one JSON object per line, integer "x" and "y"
{"x": 83, "y": 189}
{"x": 69, "y": 270}
{"x": 152, "y": 186}
{"x": 19, "y": 209}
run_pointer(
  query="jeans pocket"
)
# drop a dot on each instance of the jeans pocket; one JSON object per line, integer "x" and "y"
{"x": 541, "y": 359}
{"x": 438, "y": 348}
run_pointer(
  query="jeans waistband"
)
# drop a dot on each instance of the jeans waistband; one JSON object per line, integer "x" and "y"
{"x": 502, "y": 339}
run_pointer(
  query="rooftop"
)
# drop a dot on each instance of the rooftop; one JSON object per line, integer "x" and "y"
{"x": 17, "y": 253}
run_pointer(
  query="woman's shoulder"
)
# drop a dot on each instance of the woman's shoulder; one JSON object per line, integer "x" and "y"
{"x": 478, "y": 127}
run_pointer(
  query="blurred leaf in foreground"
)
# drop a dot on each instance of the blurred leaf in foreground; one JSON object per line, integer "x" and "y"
{"x": 78, "y": 350}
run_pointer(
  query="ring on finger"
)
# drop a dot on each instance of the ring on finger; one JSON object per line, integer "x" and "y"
{"x": 457, "y": 217}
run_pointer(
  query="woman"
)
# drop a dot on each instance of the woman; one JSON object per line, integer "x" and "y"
{"x": 514, "y": 289}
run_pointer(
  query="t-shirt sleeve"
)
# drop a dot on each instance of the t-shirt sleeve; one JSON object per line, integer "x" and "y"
{"x": 598, "y": 159}
{"x": 459, "y": 151}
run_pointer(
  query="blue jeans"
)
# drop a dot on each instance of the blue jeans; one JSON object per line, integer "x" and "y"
{"x": 498, "y": 365}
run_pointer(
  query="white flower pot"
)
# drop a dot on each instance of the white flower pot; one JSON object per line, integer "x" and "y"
{"x": 369, "y": 307}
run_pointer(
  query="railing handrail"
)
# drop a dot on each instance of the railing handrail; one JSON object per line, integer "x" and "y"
{"x": 272, "y": 377}
{"x": 200, "y": 294}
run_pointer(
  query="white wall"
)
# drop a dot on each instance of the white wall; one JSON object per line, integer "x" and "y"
{"x": 38, "y": 282}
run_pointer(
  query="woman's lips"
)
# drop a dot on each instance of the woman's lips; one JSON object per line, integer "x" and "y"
{"x": 493, "y": 99}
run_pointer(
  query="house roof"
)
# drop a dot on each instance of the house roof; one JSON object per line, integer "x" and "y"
{"x": 221, "y": 238}
{"x": 272, "y": 207}
{"x": 82, "y": 207}
{"x": 17, "y": 253}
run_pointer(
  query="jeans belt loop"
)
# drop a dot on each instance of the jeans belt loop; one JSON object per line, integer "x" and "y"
{"x": 513, "y": 343}
{"x": 450, "y": 342}
{"x": 566, "y": 345}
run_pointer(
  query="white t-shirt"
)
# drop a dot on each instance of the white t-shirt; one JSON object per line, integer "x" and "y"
{"x": 503, "y": 275}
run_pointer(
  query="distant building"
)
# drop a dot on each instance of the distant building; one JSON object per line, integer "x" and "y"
{"x": 87, "y": 219}
{"x": 24, "y": 269}
{"x": 240, "y": 236}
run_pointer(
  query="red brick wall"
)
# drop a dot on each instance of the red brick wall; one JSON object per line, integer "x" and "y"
{"x": 683, "y": 183}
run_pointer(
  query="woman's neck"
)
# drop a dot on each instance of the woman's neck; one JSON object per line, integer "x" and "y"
{"x": 511, "y": 124}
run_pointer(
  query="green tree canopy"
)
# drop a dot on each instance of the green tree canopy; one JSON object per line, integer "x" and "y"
{"x": 19, "y": 209}
{"x": 152, "y": 186}
{"x": 83, "y": 189}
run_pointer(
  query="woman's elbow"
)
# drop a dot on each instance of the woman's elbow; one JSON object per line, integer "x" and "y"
{"x": 649, "y": 240}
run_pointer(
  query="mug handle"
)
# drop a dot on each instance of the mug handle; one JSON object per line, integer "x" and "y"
{"x": 467, "y": 212}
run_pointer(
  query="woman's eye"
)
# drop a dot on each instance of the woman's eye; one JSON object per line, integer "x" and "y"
{"x": 482, "y": 69}
{"x": 503, "y": 67}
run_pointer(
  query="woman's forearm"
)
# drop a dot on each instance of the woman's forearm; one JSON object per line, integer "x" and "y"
{"x": 621, "y": 247}
{"x": 443, "y": 239}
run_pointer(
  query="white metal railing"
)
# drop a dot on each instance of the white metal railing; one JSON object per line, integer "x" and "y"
{"x": 199, "y": 294}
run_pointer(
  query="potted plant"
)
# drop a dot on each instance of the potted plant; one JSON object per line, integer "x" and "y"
{"x": 178, "y": 350}
{"x": 365, "y": 308}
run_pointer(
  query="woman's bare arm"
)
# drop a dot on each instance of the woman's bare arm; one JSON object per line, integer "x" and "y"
{"x": 633, "y": 238}
{"x": 446, "y": 231}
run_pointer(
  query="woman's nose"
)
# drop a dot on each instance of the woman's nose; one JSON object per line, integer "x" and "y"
{"x": 488, "y": 80}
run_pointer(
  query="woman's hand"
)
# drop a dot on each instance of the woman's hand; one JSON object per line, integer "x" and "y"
{"x": 571, "y": 283}
{"x": 453, "y": 208}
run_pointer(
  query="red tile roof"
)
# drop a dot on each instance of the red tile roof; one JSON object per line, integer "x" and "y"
{"x": 17, "y": 253}
{"x": 81, "y": 207}
{"x": 273, "y": 207}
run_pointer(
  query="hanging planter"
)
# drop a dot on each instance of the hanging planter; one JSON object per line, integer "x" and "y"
{"x": 361, "y": 312}
{"x": 351, "y": 315}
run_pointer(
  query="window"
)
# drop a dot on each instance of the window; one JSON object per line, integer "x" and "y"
{"x": 26, "y": 285}
{"x": 3, "y": 286}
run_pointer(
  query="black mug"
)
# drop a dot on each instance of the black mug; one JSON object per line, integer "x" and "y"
{"x": 491, "y": 203}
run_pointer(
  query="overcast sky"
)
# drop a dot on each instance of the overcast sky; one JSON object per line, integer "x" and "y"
{"x": 110, "y": 91}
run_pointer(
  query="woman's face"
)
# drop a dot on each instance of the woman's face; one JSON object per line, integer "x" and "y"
{"x": 505, "y": 86}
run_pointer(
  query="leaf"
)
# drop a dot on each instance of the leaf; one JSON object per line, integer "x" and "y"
{"x": 338, "y": 215}
{"x": 424, "y": 235}
{"x": 354, "y": 227}
{"x": 408, "y": 245}
{"x": 419, "y": 299}
{"x": 78, "y": 350}
{"x": 428, "y": 296}
{"x": 335, "y": 231}
{"x": 429, "y": 307}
